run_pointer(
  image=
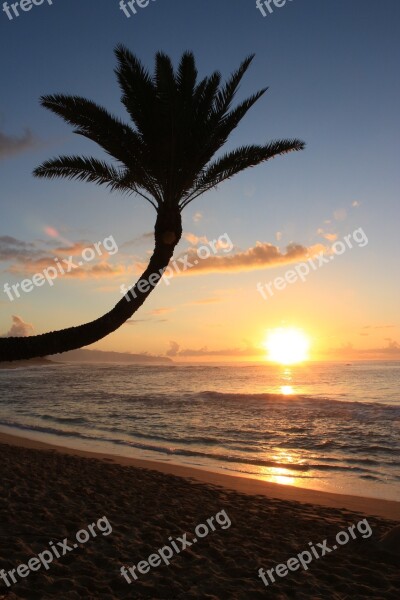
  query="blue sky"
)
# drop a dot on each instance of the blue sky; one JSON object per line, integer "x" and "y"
{"x": 332, "y": 72}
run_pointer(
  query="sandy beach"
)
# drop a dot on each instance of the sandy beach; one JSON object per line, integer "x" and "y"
{"x": 49, "y": 494}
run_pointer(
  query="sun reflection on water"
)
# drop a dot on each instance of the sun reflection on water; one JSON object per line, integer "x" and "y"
{"x": 282, "y": 474}
{"x": 283, "y": 479}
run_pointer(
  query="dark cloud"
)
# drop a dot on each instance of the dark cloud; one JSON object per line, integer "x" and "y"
{"x": 12, "y": 145}
{"x": 29, "y": 258}
{"x": 173, "y": 349}
{"x": 13, "y": 249}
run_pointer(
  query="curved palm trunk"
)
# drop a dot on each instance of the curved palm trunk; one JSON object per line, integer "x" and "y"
{"x": 168, "y": 231}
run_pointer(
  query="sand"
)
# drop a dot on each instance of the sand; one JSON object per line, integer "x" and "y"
{"x": 48, "y": 494}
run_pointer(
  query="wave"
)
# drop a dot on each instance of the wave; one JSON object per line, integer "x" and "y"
{"x": 289, "y": 467}
{"x": 314, "y": 400}
{"x": 67, "y": 420}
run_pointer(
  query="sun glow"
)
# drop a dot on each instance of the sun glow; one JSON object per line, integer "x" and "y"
{"x": 287, "y": 390}
{"x": 287, "y": 346}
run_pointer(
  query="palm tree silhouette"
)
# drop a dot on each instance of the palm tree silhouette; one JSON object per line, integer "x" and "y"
{"x": 179, "y": 124}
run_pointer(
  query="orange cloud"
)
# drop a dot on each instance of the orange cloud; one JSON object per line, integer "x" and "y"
{"x": 84, "y": 271}
{"x": 262, "y": 255}
{"x": 74, "y": 249}
{"x": 160, "y": 311}
{"x": 331, "y": 237}
{"x": 194, "y": 239}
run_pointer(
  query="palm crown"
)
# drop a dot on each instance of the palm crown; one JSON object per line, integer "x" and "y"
{"x": 179, "y": 124}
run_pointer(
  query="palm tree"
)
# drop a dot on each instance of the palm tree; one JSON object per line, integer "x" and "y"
{"x": 179, "y": 124}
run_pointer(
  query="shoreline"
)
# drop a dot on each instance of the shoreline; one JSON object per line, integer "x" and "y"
{"x": 387, "y": 509}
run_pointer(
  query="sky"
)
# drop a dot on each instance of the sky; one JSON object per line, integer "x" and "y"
{"x": 333, "y": 77}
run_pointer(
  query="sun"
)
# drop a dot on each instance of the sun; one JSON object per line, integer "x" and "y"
{"x": 287, "y": 346}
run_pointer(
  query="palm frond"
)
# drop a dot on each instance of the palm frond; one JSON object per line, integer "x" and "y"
{"x": 236, "y": 161}
{"x": 164, "y": 78}
{"x": 186, "y": 76}
{"x": 118, "y": 139}
{"x": 226, "y": 94}
{"x": 206, "y": 95}
{"x": 138, "y": 90}
{"x": 97, "y": 124}
{"x": 233, "y": 118}
{"x": 89, "y": 169}
{"x": 214, "y": 135}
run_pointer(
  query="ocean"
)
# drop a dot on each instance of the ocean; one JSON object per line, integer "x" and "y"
{"x": 324, "y": 426}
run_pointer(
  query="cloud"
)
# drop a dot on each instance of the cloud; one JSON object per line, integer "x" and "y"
{"x": 13, "y": 145}
{"x": 262, "y": 255}
{"x": 19, "y": 328}
{"x": 391, "y": 350}
{"x": 378, "y": 326}
{"x": 30, "y": 258}
{"x": 197, "y": 217}
{"x": 356, "y": 204}
{"x": 331, "y": 237}
{"x": 278, "y": 236}
{"x": 340, "y": 214}
{"x": 392, "y": 345}
{"x": 73, "y": 248}
{"x": 160, "y": 311}
{"x": 175, "y": 350}
{"x": 150, "y": 319}
{"x": 11, "y": 248}
{"x": 194, "y": 239}
{"x": 83, "y": 271}
{"x": 102, "y": 269}
{"x": 27, "y": 259}
{"x": 134, "y": 321}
